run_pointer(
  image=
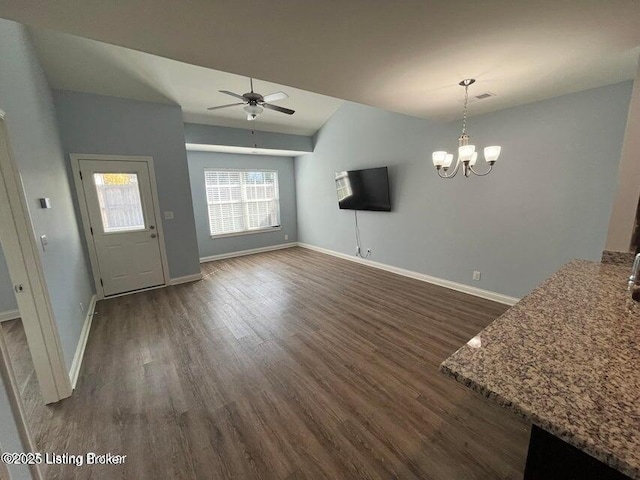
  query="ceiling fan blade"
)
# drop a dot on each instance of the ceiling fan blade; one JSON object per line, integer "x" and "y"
{"x": 227, "y": 92}
{"x": 288, "y": 111}
{"x": 274, "y": 97}
{"x": 225, "y": 106}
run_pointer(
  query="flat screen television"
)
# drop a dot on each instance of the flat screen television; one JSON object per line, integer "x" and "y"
{"x": 364, "y": 189}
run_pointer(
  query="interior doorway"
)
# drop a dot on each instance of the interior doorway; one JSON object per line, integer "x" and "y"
{"x": 27, "y": 277}
{"x": 41, "y": 343}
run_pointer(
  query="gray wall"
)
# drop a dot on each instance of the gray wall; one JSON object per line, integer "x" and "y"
{"x": 31, "y": 122}
{"x": 116, "y": 126}
{"x": 547, "y": 201}
{"x": 239, "y": 137}
{"x": 7, "y": 298}
{"x": 198, "y": 161}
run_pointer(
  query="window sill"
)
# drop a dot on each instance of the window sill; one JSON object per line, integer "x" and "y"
{"x": 247, "y": 232}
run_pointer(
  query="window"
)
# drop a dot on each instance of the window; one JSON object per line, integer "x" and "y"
{"x": 119, "y": 199}
{"x": 242, "y": 200}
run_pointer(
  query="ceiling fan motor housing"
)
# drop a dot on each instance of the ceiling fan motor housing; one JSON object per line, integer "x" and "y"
{"x": 253, "y": 98}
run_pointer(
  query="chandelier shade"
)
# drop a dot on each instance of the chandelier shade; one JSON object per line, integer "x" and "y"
{"x": 448, "y": 160}
{"x": 491, "y": 154}
{"x": 439, "y": 158}
{"x": 466, "y": 152}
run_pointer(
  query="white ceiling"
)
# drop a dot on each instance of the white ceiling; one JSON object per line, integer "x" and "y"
{"x": 79, "y": 64}
{"x": 405, "y": 56}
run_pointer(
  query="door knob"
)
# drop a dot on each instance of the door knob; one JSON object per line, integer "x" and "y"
{"x": 153, "y": 235}
{"x": 152, "y": 227}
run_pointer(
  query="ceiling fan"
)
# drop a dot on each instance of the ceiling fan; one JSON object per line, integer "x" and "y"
{"x": 254, "y": 102}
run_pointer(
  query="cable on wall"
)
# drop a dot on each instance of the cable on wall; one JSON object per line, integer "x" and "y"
{"x": 358, "y": 248}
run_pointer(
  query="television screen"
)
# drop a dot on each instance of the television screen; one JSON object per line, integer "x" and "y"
{"x": 364, "y": 189}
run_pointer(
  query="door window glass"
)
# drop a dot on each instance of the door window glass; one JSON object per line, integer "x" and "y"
{"x": 119, "y": 199}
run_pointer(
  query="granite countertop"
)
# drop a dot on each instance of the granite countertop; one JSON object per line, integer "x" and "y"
{"x": 567, "y": 358}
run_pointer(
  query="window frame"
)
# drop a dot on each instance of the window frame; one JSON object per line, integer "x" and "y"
{"x": 244, "y": 201}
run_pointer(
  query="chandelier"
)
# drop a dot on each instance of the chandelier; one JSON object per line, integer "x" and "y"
{"x": 467, "y": 155}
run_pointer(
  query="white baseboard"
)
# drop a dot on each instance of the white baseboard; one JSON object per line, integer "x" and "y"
{"x": 186, "y": 279}
{"x": 460, "y": 287}
{"x": 9, "y": 315}
{"x": 74, "y": 371}
{"x": 241, "y": 253}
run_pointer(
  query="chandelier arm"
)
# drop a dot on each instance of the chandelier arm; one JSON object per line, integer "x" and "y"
{"x": 481, "y": 174}
{"x": 444, "y": 175}
{"x": 456, "y": 168}
{"x": 452, "y": 174}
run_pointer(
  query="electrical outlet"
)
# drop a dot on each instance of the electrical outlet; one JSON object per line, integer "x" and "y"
{"x": 286, "y": 237}
{"x": 476, "y": 275}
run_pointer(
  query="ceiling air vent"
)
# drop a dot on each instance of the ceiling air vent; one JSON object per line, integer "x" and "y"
{"x": 482, "y": 96}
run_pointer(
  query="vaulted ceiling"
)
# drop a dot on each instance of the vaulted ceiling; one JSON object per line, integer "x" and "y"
{"x": 404, "y": 56}
{"x": 78, "y": 64}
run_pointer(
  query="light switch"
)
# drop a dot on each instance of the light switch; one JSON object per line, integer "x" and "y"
{"x": 45, "y": 202}
{"x": 168, "y": 215}
{"x": 44, "y": 242}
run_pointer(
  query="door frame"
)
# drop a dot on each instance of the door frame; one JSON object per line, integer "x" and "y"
{"x": 86, "y": 223}
{"x": 8, "y": 378}
{"x": 25, "y": 269}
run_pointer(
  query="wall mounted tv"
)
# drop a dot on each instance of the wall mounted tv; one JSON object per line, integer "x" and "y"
{"x": 364, "y": 189}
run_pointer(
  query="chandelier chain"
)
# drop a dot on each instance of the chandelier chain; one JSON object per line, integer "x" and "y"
{"x": 464, "y": 113}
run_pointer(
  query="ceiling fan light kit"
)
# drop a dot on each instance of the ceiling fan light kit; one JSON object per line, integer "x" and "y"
{"x": 253, "y": 111}
{"x": 467, "y": 155}
{"x": 254, "y": 103}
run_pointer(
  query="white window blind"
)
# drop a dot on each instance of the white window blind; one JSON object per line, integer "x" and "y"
{"x": 241, "y": 200}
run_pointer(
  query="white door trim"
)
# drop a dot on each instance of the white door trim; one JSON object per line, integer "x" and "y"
{"x": 8, "y": 378}
{"x": 84, "y": 212}
{"x": 25, "y": 268}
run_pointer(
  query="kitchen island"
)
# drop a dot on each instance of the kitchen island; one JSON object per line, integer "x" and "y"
{"x": 567, "y": 358}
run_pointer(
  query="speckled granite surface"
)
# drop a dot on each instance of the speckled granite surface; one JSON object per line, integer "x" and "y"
{"x": 618, "y": 258}
{"x": 567, "y": 357}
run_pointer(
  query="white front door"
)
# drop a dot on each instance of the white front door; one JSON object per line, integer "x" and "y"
{"x": 123, "y": 224}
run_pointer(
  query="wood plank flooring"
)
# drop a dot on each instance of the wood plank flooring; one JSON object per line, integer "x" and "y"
{"x": 284, "y": 365}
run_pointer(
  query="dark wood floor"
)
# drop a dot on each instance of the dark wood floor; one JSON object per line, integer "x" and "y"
{"x": 284, "y": 365}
